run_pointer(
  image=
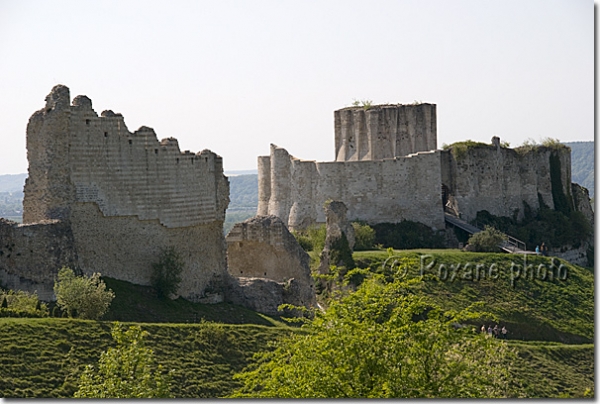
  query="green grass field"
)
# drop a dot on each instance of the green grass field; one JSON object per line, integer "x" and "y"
{"x": 551, "y": 325}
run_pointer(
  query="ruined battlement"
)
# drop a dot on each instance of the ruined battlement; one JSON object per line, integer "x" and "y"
{"x": 384, "y": 131}
{"x": 296, "y": 190}
{"x": 77, "y": 156}
{"x": 118, "y": 198}
{"x": 388, "y": 169}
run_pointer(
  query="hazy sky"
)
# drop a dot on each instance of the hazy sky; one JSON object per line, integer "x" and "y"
{"x": 235, "y": 76}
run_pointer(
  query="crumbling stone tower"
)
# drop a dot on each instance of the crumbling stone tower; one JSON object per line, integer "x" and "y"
{"x": 124, "y": 196}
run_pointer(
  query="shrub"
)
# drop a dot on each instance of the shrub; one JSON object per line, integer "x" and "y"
{"x": 82, "y": 296}
{"x": 166, "y": 273}
{"x": 21, "y": 304}
{"x": 340, "y": 253}
{"x": 364, "y": 236}
{"x": 312, "y": 238}
{"x": 487, "y": 240}
{"x": 125, "y": 371}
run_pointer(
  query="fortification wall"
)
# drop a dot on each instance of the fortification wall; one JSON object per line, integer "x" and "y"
{"x": 384, "y": 131}
{"x": 77, "y": 156}
{"x": 31, "y": 255}
{"x": 387, "y": 190}
{"x": 125, "y": 195}
{"x": 498, "y": 179}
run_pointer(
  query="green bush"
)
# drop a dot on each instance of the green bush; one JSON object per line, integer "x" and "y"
{"x": 487, "y": 240}
{"x": 128, "y": 370}
{"x": 340, "y": 254}
{"x": 312, "y": 238}
{"x": 364, "y": 236}
{"x": 82, "y": 296}
{"x": 166, "y": 272}
{"x": 21, "y": 304}
{"x": 554, "y": 228}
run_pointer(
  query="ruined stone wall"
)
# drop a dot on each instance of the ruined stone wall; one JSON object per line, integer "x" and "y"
{"x": 124, "y": 247}
{"x": 498, "y": 179}
{"x": 77, "y": 156}
{"x": 31, "y": 255}
{"x": 125, "y": 195}
{"x": 384, "y": 131}
{"x": 387, "y": 190}
{"x": 265, "y": 259}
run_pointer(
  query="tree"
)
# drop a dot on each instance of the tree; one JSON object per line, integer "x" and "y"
{"x": 364, "y": 236}
{"x": 125, "y": 371}
{"x": 166, "y": 273}
{"x": 487, "y": 240}
{"x": 86, "y": 296}
{"x": 382, "y": 341}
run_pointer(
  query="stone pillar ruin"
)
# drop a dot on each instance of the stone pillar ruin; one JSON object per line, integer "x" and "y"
{"x": 338, "y": 227}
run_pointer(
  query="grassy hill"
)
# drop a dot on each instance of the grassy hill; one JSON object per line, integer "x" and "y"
{"x": 44, "y": 357}
{"x": 560, "y": 310}
{"x": 551, "y": 325}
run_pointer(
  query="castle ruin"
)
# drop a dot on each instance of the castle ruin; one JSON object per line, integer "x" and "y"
{"x": 100, "y": 198}
{"x": 387, "y": 168}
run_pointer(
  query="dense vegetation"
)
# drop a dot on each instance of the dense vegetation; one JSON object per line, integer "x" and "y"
{"x": 536, "y": 297}
{"x": 550, "y": 323}
{"x": 382, "y": 341}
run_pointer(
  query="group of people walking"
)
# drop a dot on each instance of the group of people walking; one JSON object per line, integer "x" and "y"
{"x": 543, "y": 249}
{"x": 495, "y": 332}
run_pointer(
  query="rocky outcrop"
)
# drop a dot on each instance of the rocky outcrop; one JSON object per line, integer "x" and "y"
{"x": 268, "y": 266}
{"x": 266, "y": 295}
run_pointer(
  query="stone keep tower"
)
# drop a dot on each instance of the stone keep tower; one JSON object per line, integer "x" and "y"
{"x": 125, "y": 196}
{"x": 384, "y": 131}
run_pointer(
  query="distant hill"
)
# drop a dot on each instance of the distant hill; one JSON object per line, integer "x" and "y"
{"x": 243, "y": 192}
{"x": 582, "y": 164}
{"x": 12, "y": 182}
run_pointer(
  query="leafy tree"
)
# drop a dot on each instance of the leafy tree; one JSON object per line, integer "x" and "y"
{"x": 382, "y": 341}
{"x": 487, "y": 240}
{"x": 85, "y": 296}
{"x": 125, "y": 371}
{"x": 166, "y": 274}
{"x": 22, "y": 304}
{"x": 364, "y": 236}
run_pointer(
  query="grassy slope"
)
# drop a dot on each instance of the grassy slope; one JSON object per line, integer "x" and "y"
{"x": 139, "y": 303}
{"x": 553, "y": 370}
{"x": 44, "y": 357}
{"x": 559, "y": 310}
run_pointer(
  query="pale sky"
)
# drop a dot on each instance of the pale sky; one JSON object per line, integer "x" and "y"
{"x": 234, "y": 76}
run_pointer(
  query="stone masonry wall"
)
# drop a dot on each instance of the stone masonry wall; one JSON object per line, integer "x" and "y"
{"x": 76, "y": 156}
{"x": 384, "y": 131}
{"x": 124, "y": 247}
{"x": 261, "y": 252}
{"x": 498, "y": 179}
{"x": 125, "y": 195}
{"x": 387, "y": 190}
{"x": 31, "y": 255}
